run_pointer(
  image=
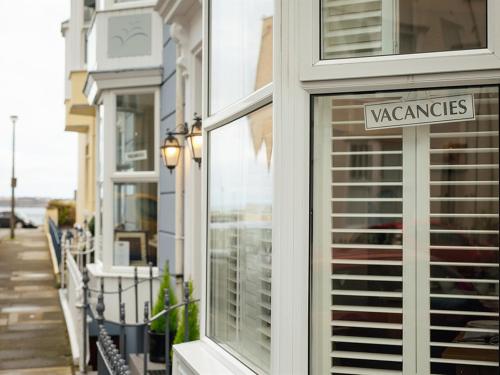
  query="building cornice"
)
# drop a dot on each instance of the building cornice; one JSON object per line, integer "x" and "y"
{"x": 99, "y": 81}
{"x": 174, "y": 10}
{"x": 64, "y": 27}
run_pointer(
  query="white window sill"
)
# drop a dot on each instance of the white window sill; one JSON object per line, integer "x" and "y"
{"x": 203, "y": 357}
{"x": 97, "y": 270}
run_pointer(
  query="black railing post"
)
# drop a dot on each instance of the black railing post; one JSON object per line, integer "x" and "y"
{"x": 120, "y": 291}
{"x": 146, "y": 346}
{"x": 100, "y": 307}
{"x": 123, "y": 343}
{"x": 186, "y": 311}
{"x": 85, "y": 280}
{"x": 167, "y": 333}
{"x": 136, "y": 281}
{"x": 151, "y": 286}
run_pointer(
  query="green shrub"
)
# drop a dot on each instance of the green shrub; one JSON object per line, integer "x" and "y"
{"x": 91, "y": 225}
{"x": 193, "y": 321}
{"x": 158, "y": 325}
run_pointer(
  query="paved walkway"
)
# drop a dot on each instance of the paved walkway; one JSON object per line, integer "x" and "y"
{"x": 33, "y": 338}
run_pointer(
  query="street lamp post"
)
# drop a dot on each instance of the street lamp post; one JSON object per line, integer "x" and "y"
{"x": 13, "y": 179}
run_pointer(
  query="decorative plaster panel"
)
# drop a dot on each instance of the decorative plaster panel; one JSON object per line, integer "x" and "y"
{"x": 129, "y": 36}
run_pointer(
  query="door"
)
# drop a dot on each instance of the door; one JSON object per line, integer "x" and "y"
{"x": 405, "y": 239}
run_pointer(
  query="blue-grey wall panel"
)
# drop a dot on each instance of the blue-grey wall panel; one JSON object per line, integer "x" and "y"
{"x": 166, "y": 34}
{"x": 168, "y": 97}
{"x": 169, "y": 50}
{"x": 168, "y": 123}
{"x": 167, "y": 222}
{"x": 167, "y": 242}
{"x": 166, "y": 213}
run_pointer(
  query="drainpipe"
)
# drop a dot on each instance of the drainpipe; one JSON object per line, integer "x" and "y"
{"x": 176, "y": 33}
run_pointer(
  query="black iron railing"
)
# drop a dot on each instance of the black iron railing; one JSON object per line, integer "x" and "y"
{"x": 114, "y": 361}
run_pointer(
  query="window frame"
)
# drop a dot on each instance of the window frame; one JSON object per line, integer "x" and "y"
{"x": 112, "y": 177}
{"x": 314, "y": 68}
{"x": 296, "y": 77}
{"x": 415, "y": 209}
{"x": 226, "y": 115}
{"x": 292, "y": 215}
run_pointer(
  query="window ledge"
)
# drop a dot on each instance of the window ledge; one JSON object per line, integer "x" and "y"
{"x": 97, "y": 270}
{"x": 203, "y": 357}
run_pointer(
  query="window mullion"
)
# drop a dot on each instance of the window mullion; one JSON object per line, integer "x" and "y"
{"x": 409, "y": 250}
{"x": 422, "y": 178}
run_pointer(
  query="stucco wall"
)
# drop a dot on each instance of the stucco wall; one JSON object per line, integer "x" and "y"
{"x": 166, "y": 219}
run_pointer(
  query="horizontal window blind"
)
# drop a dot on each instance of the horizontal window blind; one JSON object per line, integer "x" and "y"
{"x": 366, "y": 243}
{"x": 464, "y": 240}
{"x": 352, "y": 28}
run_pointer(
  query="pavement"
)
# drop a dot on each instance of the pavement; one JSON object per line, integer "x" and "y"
{"x": 33, "y": 337}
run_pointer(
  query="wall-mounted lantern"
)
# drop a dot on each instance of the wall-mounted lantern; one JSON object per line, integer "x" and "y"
{"x": 171, "y": 149}
{"x": 195, "y": 139}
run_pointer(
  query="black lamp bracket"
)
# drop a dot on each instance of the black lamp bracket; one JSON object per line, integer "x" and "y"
{"x": 185, "y": 130}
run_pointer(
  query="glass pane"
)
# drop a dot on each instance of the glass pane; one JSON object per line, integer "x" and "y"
{"x": 357, "y": 241}
{"x": 239, "y": 235}
{"x": 135, "y": 224}
{"x": 241, "y": 49}
{"x": 390, "y": 27}
{"x": 135, "y": 148}
{"x": 464, "y": 241}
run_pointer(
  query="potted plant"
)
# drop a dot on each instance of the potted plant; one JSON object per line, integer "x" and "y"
{"x": 157, "y": 329}
{"x": 193, "y": 321}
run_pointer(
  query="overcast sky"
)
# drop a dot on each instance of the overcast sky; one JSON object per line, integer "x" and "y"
{"x": 32, "y": 87}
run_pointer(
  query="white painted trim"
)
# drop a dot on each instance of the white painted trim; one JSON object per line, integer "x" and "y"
{"x": 121, "y": 81}
{"x": 52, "y": 252}
{"x": 70, "y": 327}
{"x": 111, "y": 176}
{"x": 409, "y": 328}
{"x": 97, "y": 270}
{"x": 241, "y": 108}
{"x": 313, "y": 68}
{"x": 422, "y": 251}
{"x": 203, "y": 357}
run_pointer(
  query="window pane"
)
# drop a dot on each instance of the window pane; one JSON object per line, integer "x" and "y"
{"x": 239, "y": 237}
{"x": 358, "y": 242}
{"x": 135, "y": 149}
{"x": 135, "y": 223}
{"x": 390, "y": 27}
{"x": 363, "y": 210}
{"x": 241, "y": 49}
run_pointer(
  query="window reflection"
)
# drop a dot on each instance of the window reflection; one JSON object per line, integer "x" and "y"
{"x": 135, "y": 223}
{"x": 240, "y": 237}
{"x": 135, "y": 133}
{"x": 241, "y": 49}
{"x": 359, "y": 248}
{"x": 388, "y": 27}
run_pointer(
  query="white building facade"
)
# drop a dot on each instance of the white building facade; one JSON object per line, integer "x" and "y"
{"x": 350, "y": 192}
{"x": 345, "y": 216}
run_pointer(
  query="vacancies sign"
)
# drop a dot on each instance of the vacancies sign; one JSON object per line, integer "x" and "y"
{"x": 419, "y": 112}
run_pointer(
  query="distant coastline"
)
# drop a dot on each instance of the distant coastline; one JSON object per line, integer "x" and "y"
{"x": 25, "y": 202}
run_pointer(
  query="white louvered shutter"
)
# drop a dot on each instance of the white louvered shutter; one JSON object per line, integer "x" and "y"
{"x": 464, "y": 239}
{"x": 366, "y": 245}
{"x": 354, "y": 28}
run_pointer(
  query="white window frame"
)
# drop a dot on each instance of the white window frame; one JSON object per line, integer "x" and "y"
{"x": 291, "y": 152}
{"x": 111, "y": 176}
{"x": 230, "y": 113}
{"x": 114, "y": 5}
{"x": 314, "y": 68}
{"x": 297, "y": 75}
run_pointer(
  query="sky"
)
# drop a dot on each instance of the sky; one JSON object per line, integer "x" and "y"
{"x": 32, "y": 87}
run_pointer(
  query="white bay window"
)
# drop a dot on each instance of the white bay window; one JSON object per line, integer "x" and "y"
{"x": 238, "y": 126}
{"x": 385, "y": 242}
{"x": 128, "y": 178}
